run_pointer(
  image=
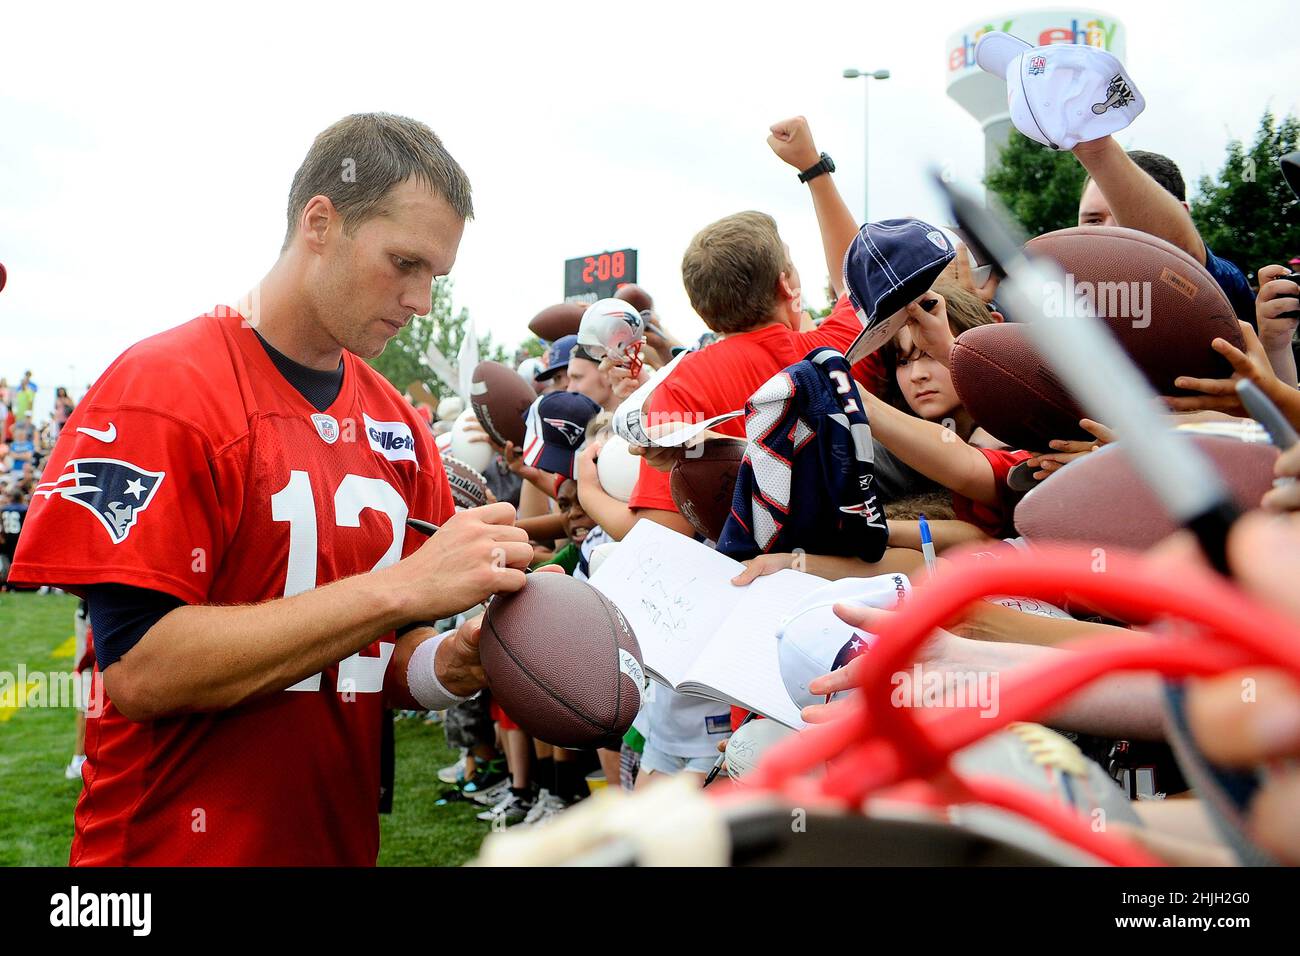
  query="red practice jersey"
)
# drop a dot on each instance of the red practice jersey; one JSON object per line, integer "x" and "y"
{"x": 193, "y": 467}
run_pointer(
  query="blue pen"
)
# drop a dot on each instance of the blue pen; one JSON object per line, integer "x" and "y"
{"x": 927, "y": 546}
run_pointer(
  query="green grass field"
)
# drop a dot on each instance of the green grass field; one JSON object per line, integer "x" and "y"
{"x": 36, "y": 802}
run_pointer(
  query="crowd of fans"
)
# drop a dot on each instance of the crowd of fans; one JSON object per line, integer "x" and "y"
{"x": 25, "y": 444}
{"x": 742, "y": 283}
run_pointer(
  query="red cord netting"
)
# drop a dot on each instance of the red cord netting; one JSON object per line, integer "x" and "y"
{"x": 877, "y": 745}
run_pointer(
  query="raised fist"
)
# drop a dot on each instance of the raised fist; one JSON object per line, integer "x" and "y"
{"x": 792, "y": 140}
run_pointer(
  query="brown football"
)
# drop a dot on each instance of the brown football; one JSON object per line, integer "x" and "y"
{"x": 1162, "y": 306}
{"x": 578, "y": 684}
{"x": 468, "y": 487}
{"x": 636, "y": 297}
{"x": 703, "y": 481}
{"x": 1010, "y": 391}
{"x": 500, "y": 397}
{"x": 557, "y": 321}
{"x": 1100, "y": 499}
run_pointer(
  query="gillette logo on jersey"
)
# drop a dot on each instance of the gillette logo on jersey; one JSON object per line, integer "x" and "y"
{"x": 114, "y": 491}
{"x": 393, "y": 440}
{"x": 806, "y": 479}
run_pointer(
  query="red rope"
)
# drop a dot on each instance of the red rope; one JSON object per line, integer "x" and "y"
{"x": 877, "y": 745}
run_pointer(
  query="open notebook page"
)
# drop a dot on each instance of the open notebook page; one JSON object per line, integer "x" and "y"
{"x": 674, "y": 592}
{"x": 740, "y": 662}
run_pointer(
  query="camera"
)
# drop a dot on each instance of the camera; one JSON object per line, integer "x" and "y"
{"x": 1294, "y": 313}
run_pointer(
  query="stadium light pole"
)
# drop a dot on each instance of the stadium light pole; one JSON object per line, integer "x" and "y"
{"x": 852, "y": 74}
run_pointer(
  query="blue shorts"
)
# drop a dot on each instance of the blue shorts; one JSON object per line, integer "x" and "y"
{"x": 654, "y": 760}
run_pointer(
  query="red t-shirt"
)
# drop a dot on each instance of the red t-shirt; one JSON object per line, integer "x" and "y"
{"x": 993, "y": 520}
{"x": 193, "y": 467}
{"x": 718, "y": 379}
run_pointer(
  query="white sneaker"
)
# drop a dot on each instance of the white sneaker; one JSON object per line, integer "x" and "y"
{"x": 491, "y": 811}
{"x": 493, "y": 794}
{"x": 539, "y": 806}
{"x": 547, "y": 806}
{"x": 73, "y": 770}
{"x": 510, "y": 810}
{"x": 454, "y": 772}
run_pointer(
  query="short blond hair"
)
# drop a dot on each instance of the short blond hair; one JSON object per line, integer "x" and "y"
{"x": 731, "y": 270}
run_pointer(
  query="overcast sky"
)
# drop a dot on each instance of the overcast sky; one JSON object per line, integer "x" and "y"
{"x": 146, "y": 158}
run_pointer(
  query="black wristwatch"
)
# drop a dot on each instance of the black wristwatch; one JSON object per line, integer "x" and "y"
{"x": 824, "y": 165}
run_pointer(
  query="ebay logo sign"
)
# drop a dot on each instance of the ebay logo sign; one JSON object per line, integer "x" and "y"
{"x": 1093, "y": 31}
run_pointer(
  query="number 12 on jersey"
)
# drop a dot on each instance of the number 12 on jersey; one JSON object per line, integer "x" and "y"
{"x": 295, "y": 504}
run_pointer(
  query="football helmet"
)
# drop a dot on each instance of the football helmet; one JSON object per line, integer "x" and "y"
{"x": 613, "y": 329}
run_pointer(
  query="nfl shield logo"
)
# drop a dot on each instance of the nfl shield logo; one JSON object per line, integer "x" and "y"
{"x": 326, "y": 427}
{"x": 1037, "y": 65}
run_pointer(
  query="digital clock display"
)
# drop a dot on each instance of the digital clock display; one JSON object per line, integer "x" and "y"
{"x": 598, "y": 276}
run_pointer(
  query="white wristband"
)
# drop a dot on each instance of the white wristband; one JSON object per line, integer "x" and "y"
{"x": 422, "y": 676}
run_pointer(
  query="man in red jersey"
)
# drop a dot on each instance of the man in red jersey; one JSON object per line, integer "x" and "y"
{"x": 256, "y": 598}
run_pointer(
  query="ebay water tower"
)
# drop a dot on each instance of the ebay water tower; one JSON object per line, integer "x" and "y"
{"x": 983, "y": 95}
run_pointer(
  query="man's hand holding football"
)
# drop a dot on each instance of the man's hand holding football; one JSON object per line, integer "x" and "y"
{"x": 477, "y": 553}
{"x": 459, "y": 667}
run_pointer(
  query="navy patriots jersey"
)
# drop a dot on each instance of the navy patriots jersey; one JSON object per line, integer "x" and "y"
{"x": 807, "y": 478}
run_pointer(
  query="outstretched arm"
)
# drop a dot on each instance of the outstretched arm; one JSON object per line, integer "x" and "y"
{"x": 1135, "y": 199}
{"x": 607, "y": 511}
{"x": 792, "y": 140}
{"x": 209, "y": 658}
{"x": 1119, "y": 705}
{"x": 936, "y": 452}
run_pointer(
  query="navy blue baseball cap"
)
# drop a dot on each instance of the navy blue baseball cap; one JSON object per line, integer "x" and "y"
{"x": 556, "y": 428}
{"x": 557, "y": 357}
{"x": 890, "y": 263}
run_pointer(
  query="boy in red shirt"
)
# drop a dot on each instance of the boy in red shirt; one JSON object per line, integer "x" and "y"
{"x": 741, "y": 281}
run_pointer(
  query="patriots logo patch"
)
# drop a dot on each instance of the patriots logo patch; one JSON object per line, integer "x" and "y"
{"x": 572, "y": 431}
{"x": 856, "y": 646}
{"x": 114, "y": 491}
{"x": 633, "y": 323}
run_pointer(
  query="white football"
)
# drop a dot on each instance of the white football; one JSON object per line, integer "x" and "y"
{"x": 476, "y": 454}
{"x": 529, "y": 368}
{"x": 598, "y": 555}
{"x": 450, "y": 407}
{"x": 618, "y": 468}
{"x": 747, "y": 745}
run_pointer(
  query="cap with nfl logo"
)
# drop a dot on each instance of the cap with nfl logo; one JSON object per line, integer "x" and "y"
{"x": 1062, "y": 94}
{"x": 556, "y": 427}
{"x": 887, "y": 265}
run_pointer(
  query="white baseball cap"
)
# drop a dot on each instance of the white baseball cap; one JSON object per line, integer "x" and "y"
{"x": 813, "y": 641}
{"x": 1061, "y": 94}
